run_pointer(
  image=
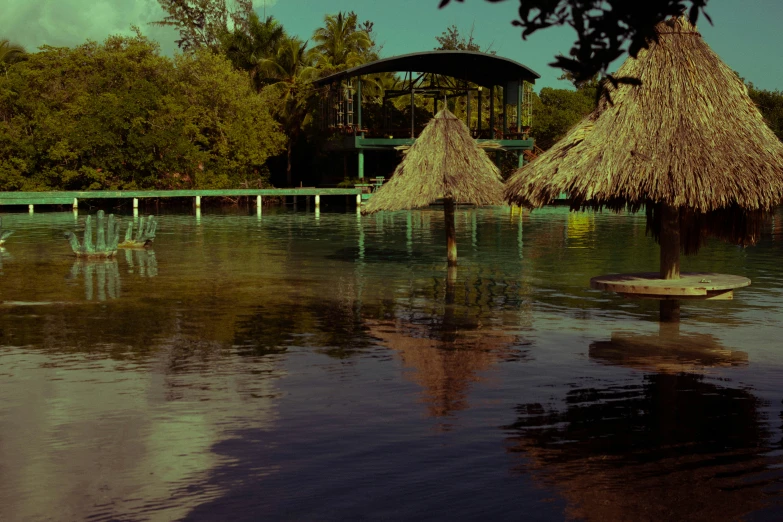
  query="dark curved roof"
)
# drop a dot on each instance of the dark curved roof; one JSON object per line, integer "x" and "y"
{"x": 479, "y": 68}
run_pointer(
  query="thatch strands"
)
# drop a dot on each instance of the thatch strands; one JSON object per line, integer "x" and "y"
{"x": 689, "y": 137}
{"x": 444, "y": 162}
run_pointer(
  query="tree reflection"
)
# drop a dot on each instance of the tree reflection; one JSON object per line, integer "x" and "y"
{"x": 675, "y": 447}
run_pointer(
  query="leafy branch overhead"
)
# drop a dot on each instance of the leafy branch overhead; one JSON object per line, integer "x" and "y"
{"x": 605, "y": 29}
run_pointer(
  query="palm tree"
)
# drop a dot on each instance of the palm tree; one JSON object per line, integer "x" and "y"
{"x": 10, "y": 53}
{"x": 248, "y": 45}
{"x": 289, "y": 73}
{"x": 341, "y": 44}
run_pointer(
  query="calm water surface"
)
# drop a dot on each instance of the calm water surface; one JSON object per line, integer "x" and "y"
{"x": 303, "y": 367}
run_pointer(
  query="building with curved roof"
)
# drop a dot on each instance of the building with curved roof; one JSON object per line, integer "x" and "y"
{"x": 494, "y": 95}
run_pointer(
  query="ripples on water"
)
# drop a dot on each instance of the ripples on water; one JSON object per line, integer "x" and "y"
{"x": 294, "y": 367}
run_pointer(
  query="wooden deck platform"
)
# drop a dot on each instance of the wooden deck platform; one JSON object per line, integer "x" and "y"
{"x": 691, "y": 285}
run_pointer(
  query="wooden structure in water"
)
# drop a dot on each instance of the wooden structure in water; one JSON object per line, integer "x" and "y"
{"x": 442, "y": 76}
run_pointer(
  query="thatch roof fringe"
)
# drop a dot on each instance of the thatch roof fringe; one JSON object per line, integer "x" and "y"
{"x": 445, "y": 161}
{"x": 688, "y": 136}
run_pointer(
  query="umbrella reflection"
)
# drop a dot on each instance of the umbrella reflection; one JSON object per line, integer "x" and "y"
{"x": 101, "y": 278}
{"x": 667, "y": 352}
{"x": 449, "y": 350}
{"x": 672, "y": 447}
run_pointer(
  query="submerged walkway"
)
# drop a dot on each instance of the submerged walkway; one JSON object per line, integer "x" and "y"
{"x": 72, "y": 197}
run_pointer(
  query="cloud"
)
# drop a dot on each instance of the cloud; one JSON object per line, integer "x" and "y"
{"x": 32, "y": 23}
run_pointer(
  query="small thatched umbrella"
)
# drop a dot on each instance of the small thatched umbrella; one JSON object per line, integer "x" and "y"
{"x": 688, "y": 144}
{"x": 444, "y": 162}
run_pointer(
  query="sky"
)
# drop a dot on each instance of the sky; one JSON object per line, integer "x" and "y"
{"x": 746, "y": 34}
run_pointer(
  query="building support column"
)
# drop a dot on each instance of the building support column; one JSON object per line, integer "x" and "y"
{"x": 359, "y": 106}
{"x": 492, "y": 112}
{"x": 505, "y": 111}
{"x": 467, "y": 106}
{"x": 478, "y": 120}
{"x": 361, "y": 164}
{"x": 413, "y": 121}
{"x": 519, "y": 105}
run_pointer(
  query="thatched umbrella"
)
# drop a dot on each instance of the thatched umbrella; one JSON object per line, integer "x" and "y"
{"x": 688, "y": 144}
{"x": 444, "y": 162}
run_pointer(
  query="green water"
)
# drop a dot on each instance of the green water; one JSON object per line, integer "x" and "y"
{"x": 297, "y": 366}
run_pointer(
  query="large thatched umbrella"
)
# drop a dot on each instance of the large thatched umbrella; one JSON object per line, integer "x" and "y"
{"x": 688, "y": 144}
{"x": 444, "y": 162}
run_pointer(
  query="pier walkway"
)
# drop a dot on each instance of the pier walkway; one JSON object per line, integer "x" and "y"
{"x": 72, "y": 197}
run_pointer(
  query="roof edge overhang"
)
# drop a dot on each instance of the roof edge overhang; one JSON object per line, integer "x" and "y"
{"x": 476, "y": 67}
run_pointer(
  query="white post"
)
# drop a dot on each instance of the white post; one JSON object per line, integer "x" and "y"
{"x": 198, "y": 215}
{"x": 75, "y": 204}
{"x": 317, "y": 200}
{"x": 198, "y": 201}
{"x": 135, "y": 203}
{"x": 358, "y": 200}
{"x": 259, "y": 205}
{"x": 30, "y": 208}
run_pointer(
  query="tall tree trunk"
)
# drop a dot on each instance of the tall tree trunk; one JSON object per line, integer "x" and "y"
{"x": 288, "y": 178}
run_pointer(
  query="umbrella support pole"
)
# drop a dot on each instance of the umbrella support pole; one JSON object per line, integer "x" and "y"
{"x": 451, "y": 235}
{"x": 451, "y": 285}
{"x": 669, "y": 239}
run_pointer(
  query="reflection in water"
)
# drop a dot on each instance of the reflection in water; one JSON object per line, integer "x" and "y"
{"x": 3, "y": 255}
{"x": 145, "y": 262}
{"x": 100, "y": 274}
{"x": 666, "y": 353}
{"x": 447, "y": 360}
{"x": 674, "y": 447}
{"x": 450, "y": 347}
{"x": 283, "y": 369}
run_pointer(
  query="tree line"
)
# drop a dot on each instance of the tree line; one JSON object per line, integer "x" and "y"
{"x": 233, "y": 108}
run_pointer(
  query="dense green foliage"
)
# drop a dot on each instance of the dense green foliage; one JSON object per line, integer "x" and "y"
{"x": 555, "y": 111}
{"x": 119, "y": 115}
{"x": 235, "y": 105}
{"x": 770, "y": 103}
